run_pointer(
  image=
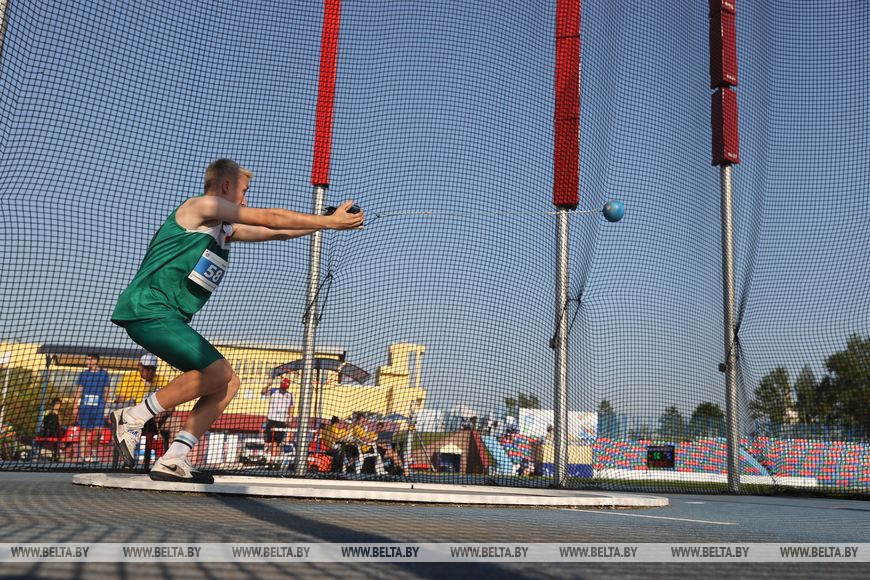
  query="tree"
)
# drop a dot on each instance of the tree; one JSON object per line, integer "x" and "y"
{"x": 840, "y": 399}
{"x": 849, "y": 391}
{"x": 773, "y": 398}
{"x": 605, "y": 408}
{"x": 641, "y": 432}
{"x": 672, "y": 425}
{"x": 23, "y": 398}
{"x": 708, "y": 420}
{"x": 521, "y": 401}
{"x": 607, "y": 421}
{"x": 808, "y": 402}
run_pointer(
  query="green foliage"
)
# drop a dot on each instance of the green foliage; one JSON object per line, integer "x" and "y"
{"x": 642, "y": 432}
{"x": 672, "y": 426}
{"x": 521, "y": 401}
{"x": 608, "y": 422}
{"x": 773, "y": 397}
{"x": 810, "y": 406}
{"x": 848, "y": 394}
{"x": 23, "y": 399}
{"x": 841, "y": 398}
{"x": 708, "y": 420}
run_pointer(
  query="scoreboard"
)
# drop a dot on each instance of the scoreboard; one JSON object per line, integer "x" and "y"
{"x": 660, "y": 457}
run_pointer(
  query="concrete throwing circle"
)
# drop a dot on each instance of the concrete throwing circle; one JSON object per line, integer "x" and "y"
{"x": 379, "y": 491}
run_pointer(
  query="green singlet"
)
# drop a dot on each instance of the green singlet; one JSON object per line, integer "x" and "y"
{"x": 178, "y": 274}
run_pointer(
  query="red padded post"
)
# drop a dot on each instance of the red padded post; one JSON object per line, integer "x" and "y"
{"x": 726, "y": 137}
{"x": 566, "y": 140}
{"x": 326, "y": 92}
{"x": 723, "y": 49}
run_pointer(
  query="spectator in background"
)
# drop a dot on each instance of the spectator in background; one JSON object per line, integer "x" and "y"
{"x": 330, "y": 437}
{"x": 387, "y": 450}
{"x": 136, "y": 385}
{"x": 90, "y": 405}
{"x": 527, "y": 467}
{"x": 359, "y": 431}
{"x": 487, "y": 427}
{"x": 332, "y": 433}
{"x": 277, "y": 417}
{"x": 357, "y": 435}
{"x": 51, "y": 430}
{"x": 8, "y": 442}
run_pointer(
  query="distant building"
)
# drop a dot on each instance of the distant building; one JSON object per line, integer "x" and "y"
{"x": 396, "y": 384}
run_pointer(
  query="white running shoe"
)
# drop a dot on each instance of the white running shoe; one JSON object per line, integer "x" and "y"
{"x": 126, "y": 432}
{"x": 178, "y": 469}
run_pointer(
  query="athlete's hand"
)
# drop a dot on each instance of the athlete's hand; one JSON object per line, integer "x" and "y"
{"x": 342, "y": 219}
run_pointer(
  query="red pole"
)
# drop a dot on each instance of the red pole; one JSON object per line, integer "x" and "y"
{"x": 723, "y": 77}
{"x": 566, "y": 140}
{"x": 326, "y": 92}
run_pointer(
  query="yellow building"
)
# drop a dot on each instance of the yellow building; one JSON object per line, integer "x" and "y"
{"x": 396, "y": 386}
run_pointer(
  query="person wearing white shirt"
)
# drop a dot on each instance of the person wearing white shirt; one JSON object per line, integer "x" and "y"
{"x": 277, "y": 417}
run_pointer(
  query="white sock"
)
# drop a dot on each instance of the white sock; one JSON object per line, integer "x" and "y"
{"x": 146, "y": 409}
{"x": 181, "y": 445}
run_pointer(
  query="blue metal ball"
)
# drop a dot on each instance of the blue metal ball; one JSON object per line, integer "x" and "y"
{"x": 614, "y": 210}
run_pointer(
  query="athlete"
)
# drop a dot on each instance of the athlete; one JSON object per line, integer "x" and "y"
{"x": 185, "y": 262}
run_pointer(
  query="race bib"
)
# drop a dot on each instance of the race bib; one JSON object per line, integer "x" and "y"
{"x": 209, "y": 271}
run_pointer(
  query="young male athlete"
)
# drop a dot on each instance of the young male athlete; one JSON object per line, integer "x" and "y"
{"x": 185, "y": 262}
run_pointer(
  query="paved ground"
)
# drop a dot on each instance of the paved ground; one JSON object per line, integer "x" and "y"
{"x": 46, "y": 507}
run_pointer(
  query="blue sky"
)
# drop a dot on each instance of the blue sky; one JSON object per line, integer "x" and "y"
{"x": 109, "y": 111}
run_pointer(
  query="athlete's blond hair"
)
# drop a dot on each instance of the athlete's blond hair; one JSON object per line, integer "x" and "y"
{"x": 222, "y": 169}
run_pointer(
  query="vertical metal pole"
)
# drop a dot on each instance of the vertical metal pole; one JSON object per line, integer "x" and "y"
{"x": 321, "y": 381}
{"x": 5, "y": 362}
{"x": 409, "y": 441}
{"x": 560, "y": 395}
{"x": 5, "y": 388}
{"x": 730, "y": 305}
{"x": 4, "y": 4}
{"x": 419, "y": 368}
{"x": 309, "y": 341}
{"x": 44, "y": 390}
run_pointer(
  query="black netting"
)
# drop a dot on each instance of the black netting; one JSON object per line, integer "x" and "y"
{"x": 443, "y": 133}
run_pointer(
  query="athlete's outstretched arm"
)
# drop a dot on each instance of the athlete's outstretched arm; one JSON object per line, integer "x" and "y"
{"x": 244, "y": 233}
{"x": 201, "y": 210}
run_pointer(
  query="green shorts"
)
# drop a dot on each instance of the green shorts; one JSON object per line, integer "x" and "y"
{"x": 172, "y": 340}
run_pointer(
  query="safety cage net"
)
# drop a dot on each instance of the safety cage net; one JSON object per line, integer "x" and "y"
{"x": 433, "y": 355}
